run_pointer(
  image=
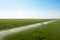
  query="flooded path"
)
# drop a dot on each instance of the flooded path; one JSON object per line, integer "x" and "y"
{"x": 7, "y": 32}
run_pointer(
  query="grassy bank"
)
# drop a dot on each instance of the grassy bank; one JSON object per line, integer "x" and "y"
{"x": 12, "y": 23}
{"x": 44, "y": 32}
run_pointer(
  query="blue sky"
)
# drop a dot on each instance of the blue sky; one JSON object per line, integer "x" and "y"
{"x": 29, "y": 8}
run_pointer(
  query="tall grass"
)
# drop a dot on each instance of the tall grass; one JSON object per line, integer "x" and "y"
{"x": 44, "y": 32}
{"x": 12, "y": 23}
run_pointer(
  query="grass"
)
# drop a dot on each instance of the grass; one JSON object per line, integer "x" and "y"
{"x": 12, "y": 23}
{"x": 44, "y": 32}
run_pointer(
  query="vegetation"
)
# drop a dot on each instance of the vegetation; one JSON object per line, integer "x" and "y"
{"x": 44, "y": 32}
{"x": 11, "y": 23}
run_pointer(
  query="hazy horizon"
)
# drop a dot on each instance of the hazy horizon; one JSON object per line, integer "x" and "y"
{"x": 33, "y": 9}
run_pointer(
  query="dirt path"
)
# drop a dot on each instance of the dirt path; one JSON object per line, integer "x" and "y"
{"x": 7, "y": 32}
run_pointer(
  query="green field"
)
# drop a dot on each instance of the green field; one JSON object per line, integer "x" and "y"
{"x": 12, "y": 23}
{"x": 50, "y": 31}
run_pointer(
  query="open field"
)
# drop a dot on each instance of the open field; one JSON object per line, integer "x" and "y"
{"x": 12, "y": 23}
{"x": 50, "y": 31}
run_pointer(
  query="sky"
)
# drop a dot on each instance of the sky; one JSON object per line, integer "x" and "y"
{"x": 30, "y": 9}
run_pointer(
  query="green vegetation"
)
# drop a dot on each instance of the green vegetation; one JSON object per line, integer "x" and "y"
{"x": 44, "y": 32}
{"x": 11, "y": 23}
